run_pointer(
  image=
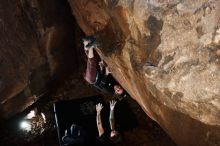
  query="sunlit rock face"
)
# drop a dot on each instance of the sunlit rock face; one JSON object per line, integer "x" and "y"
{"x": 166, "y": 55}
{"x": 37, "y": 50}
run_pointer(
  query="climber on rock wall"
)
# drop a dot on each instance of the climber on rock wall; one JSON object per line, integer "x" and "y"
{"x": 97, "y": 72}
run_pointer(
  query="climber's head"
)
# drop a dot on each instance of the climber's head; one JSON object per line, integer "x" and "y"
{"x": 118, "y": 89}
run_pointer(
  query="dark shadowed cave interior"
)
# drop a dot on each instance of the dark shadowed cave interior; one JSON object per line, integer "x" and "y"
{"x": 165, "y": 54}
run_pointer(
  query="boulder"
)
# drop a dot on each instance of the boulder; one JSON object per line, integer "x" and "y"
{"x": 38, "y": 50}
{"x": 166, "y": 55}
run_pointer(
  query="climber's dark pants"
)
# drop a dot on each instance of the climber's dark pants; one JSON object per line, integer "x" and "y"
{"x": 105, "y": 83}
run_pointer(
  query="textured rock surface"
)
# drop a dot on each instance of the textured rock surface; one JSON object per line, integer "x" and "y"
{"x": 166, "y": 55}
{"x": 36, "y": 50}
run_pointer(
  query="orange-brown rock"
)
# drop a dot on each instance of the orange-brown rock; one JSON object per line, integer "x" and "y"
{"x": 164, "y": 53}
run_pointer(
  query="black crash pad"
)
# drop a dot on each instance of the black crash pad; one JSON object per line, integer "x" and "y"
{"x": 82, "y": 112}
